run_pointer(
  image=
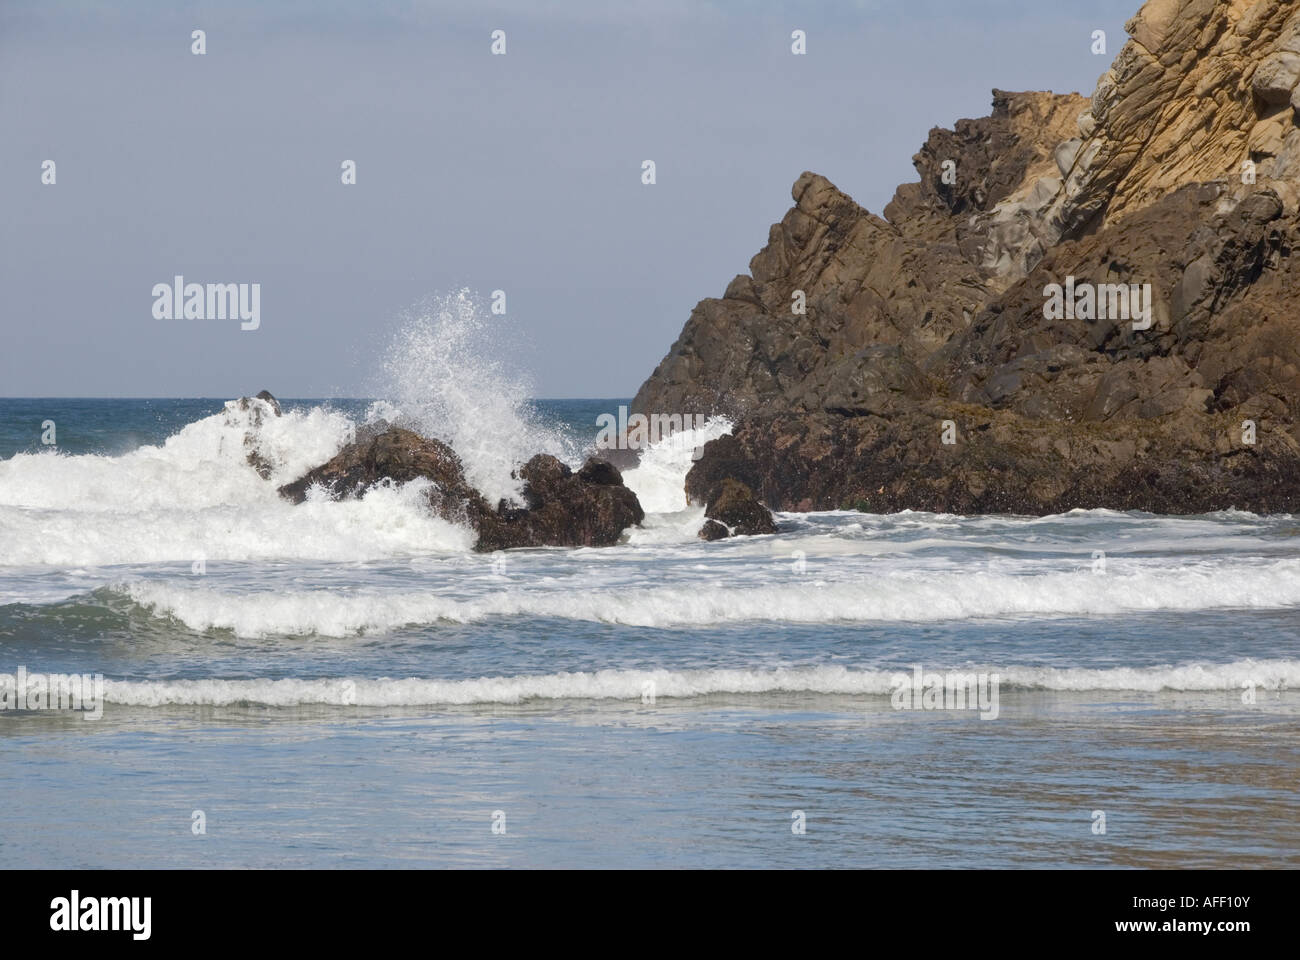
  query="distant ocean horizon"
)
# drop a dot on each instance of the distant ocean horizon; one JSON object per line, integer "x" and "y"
{"x": 98, "y": 422}
{"x": 350, "y": 684}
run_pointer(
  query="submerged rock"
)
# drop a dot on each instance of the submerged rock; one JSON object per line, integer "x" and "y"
{"x": 274, "y": 404}
{"x": 590, "y": 508}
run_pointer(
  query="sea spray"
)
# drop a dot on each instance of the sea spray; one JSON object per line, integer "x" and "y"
{"x": 659, "y": 479}
{"x": 198, "y": 498}
{"x": 444, "y": 374}
{"x": 205, "y": 464}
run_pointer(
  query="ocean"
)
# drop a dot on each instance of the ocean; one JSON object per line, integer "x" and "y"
{"x": 343, "y": 684}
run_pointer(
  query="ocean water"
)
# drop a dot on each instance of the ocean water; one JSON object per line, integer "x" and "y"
{"x": 347, "y": 684}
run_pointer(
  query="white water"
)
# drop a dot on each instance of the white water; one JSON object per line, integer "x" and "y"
{"x": 658, "y": 480}
{"x": 196, "y": 497}
{"x": 443, "y": 377}
{"x": 616, "y": 590}
{"x": 671, "y": 684}
{"x": 202, "y": 465}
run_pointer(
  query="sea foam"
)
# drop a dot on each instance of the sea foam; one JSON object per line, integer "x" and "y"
{"x": 197, "y": 497}
{"x": 683, "y": 684}
{"x": 722, "y": 597}
{"x": 659, "y": 479}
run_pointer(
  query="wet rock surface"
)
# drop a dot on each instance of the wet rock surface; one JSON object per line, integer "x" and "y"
{"x": 732, "y": 510}
{"x": 590, "y": 508}
{"x": 561, "y": 508}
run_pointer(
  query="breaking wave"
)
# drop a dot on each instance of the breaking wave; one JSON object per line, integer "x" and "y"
{"x": 659, "y": 479}
{"x": 911, "y": 596}
{"x": 444, "y": 376}
{"x": 196, "y": 497}
{"x": 675, "y": 684}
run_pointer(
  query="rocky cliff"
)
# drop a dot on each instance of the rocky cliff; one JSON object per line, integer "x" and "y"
{"x": 1082, "y": 303}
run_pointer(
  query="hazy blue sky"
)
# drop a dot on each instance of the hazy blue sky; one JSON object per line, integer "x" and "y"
{"x": 519, "y": 172}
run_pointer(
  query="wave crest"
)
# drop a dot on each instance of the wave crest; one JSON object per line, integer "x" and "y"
{"x": 681, "y": 684}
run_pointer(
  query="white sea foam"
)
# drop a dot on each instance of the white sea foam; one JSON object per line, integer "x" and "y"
{"x": 659, "y": 479}
{"x": 205, "y": 464}
{"x": 659, "y": 529}
{"x": 715, "y": 597}
{"x": 672, "y": 684}
{"x": 196, "y": 496}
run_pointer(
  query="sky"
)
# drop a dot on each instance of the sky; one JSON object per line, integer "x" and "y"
{"x": 519, "y": 172}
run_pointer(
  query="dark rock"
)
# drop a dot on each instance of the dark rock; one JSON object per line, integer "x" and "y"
{"x": 930, "y": 325}
{"x": 601, "y": 472}
{"x": 564, "y": 509}
{"x": 909, "y": 282}
{"x": 714, "y": 530}
{"x": 1184, "y": 463}
{"x": 269, "y": 405}
{"x": 733, "y": 511}
{"x": 394, "y": 454}
{"x": 590, "y": 508}
{"x": 873, "y": 381}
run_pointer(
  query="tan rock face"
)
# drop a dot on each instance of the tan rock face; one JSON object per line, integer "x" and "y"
{"x": 1176, "y": 188}
{"x": 1200, "y": 88}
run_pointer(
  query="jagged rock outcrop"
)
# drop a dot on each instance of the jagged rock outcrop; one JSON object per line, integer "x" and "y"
{"x": 733, "y": 511}
{"x": 931, "y": 368}
{"x": 390, "y": 453}
{"x": 588, "y": 509}
{"x": 835, "y": 280}
{"x": 591, "y": 508}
